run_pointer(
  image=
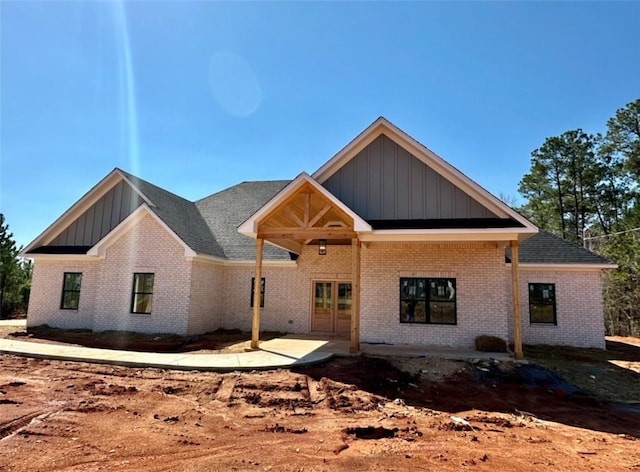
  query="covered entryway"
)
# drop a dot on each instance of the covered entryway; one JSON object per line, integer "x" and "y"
{"x": 331, "y": 306}
{"x": 304, "y": 213}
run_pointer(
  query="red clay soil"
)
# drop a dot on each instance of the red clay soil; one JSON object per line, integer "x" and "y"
{"x": 353, "y": 413}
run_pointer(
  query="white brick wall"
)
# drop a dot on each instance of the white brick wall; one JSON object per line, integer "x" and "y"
{"x": 579, "y": 311}
{"x": 481, "y": 292}
{"x": 46, "y": 294}
{"x": 147, "y": 247}
{"x": 193, "y": 297}
{"x": 206, "y": 299}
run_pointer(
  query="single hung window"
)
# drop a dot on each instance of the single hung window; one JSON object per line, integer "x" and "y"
{"x": 253, "y": 285}
{"x": 142, "y": 293}
{"x": 425, "y": 300}
{"x": 542, "y": 303}
{"x": 71, "y": 283}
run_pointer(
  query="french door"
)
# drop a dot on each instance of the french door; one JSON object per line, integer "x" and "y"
{"x": 331, "y": 306}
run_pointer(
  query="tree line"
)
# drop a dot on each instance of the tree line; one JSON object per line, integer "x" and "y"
{"x": 585, "y": 188}
{"x": 15, "y": 275}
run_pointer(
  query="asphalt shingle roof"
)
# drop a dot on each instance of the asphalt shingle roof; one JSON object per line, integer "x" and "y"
{"x": 181, "y": 216}
{"x": 226, "y": 210}
{"x": 547, "y": 248}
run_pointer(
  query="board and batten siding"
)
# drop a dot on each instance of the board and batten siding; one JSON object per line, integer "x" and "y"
{"x": 386, "y": 182}
{"x": 104, "y": 215}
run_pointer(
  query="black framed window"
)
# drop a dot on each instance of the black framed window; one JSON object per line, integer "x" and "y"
{"x": 71, "y": 283}
{"x": 253, "y": 285}
{"x": 428, "y": 300}
{"x": 542, "y": 303}
{"x": 142, "y": 293}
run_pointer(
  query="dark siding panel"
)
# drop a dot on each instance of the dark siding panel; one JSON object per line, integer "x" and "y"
{"x": 461, "y": 204}
{"x": 116, "y": 202}
{"x": 389, "y": 167}
{"x": 446, "y": 198}
{"x": 385, "y": 182}
{"x": 417, "y": 198}
{"x": 402, "y": 183}
{"x": 361, "y": 180}
{"x": 347, "y": 184}
{"x": 100, "y": 218}
{"x": 432, "y": 194}
{"x": 374, "y": 208}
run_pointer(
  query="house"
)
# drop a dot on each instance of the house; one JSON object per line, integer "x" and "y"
{"x": 386, "y": 241}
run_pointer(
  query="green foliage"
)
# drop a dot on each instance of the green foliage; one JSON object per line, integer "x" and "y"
{"x": 622, "y": 286}
{"x": 15, "y": 274}
{"x": 587, "y": 185}
{"x": 564, "y": 185}
{"x": 623, "y": 137}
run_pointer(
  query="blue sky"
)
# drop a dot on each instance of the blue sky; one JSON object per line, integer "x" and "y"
{"x": 198, "y": 96}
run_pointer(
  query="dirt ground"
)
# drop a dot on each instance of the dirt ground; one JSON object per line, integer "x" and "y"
{"x": 351, "y": 413}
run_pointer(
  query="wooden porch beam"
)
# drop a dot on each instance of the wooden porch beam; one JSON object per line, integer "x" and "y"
{"x": 320, "y": 214}
{"x": 308, "y": 233}
{"x": 294, "y": 217}
{"x": 355, "y": 296}
{"x": 515, "y": 289}
{"x": 307, "y": 209}
{"x": 257, "y": 285}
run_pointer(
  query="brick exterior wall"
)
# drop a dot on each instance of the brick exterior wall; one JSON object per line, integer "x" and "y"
{"x": 193, "y": 297}
{"x": 480, "y": 282}
{"x": 206, "y": 297}
{"x": 46, "y": 294}
{"x": 579, "y": 311}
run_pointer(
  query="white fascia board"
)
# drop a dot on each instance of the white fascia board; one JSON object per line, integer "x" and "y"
{"x": 250, "y": 226}
{"x": 242, "y": 263}
{"x": 428, "y": 157}
{"x": 406, "y": 235}
{"x": 568, "y": 267}
{"x": 99, "y": 249}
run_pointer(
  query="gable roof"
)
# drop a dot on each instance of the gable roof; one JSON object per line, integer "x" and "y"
{"x": 549, "y": 249}
{"x": 382, "y": 126}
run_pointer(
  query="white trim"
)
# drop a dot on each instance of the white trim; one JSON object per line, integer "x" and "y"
{"x": 429, "y": 158}
{"x": 478, "y": 234}
{"x": 242, "y": 263}
{"x": 100, "y": 248}
{"x": 574, "y": 266}
{"x": 250, "y": 226}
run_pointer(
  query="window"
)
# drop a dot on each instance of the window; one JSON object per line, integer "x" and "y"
{"x": 428, "y": 300}
{"x": 71, "y": 290}
{"x": 142, "y": 296}
{"x": 253, "y": 285}
{"x": 542, "y": 303}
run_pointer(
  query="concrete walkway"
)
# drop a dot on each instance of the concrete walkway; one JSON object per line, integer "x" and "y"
{"x": 285, "y": 352}
{"x": 273, "y": 354}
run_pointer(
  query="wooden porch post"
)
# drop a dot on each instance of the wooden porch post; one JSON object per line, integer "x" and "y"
{"x": 355, "y": 295}
{"x": 515, "y": 289}
{"x": 257, "y": 286}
